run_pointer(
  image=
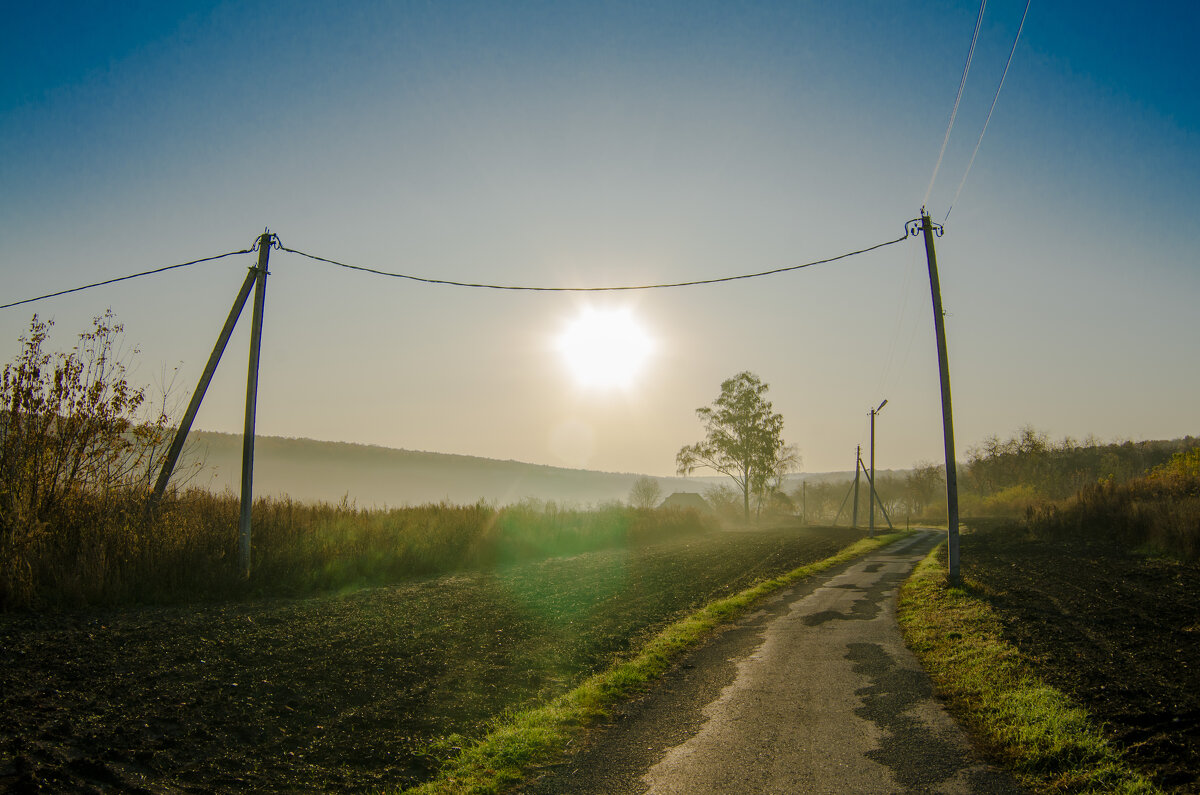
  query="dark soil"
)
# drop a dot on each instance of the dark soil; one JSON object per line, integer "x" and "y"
{"x": 343, "y": 693}
{"x": 1118, "y": 631}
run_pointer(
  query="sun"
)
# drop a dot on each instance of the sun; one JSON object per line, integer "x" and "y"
{"x": 605, "y": 348}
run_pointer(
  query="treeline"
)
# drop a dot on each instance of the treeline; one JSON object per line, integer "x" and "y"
{"x": 1057, "y": 470}
{"x": 1159, "y": 512}
{"x": 1000, "y": 477}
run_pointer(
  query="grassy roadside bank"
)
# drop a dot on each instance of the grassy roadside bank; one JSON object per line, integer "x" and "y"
{"x": 535, "y": 736}
{"x": 1049, "y": 742}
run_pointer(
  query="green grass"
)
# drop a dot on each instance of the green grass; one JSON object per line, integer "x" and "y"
{"x": 536, "y": 736}
{"x": 1050, "y": 742}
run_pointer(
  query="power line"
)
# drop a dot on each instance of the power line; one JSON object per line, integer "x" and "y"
{"x": 594, "y": 289}
{"x": 462, "y": 284}
{"x": 957, "y": 99}
{"x": 971, "y": 162}
{"x": 125, "y": 278}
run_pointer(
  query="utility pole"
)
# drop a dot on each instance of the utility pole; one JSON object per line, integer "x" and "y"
{"x": 931, "y": 229}
{"x": 874, "y": 495}
{"x": 260, "y": 296}
{"x": 857, "y": 469}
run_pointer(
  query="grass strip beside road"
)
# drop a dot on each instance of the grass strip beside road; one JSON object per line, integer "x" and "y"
{"x": 537, "y": 736}
{"x": 1049, "y": 741}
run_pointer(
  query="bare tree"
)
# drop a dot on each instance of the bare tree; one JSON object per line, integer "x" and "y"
{"x": 645, "y": 493}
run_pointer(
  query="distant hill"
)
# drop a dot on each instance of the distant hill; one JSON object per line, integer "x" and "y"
{"x": 369, "y": 476}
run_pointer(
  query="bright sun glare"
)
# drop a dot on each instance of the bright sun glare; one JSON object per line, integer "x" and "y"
{"x": 605, "y": 348}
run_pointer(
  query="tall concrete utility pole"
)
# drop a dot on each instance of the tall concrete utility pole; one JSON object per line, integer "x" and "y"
{"x": 931, "y": 229}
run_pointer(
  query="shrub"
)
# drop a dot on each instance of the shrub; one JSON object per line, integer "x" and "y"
{"x": 75, "y": 455}
{"x": 1159, "y": 512}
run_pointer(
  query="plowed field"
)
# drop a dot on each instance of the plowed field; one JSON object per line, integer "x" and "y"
{"x": 1118, "y": 631}
{"x": 340, "y": 693}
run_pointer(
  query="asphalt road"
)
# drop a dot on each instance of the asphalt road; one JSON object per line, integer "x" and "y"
{"x": 814, "y": 693}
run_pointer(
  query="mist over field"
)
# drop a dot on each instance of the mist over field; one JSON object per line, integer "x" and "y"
{"x": 373, "y": 476}
{"x": 310, "y": 470}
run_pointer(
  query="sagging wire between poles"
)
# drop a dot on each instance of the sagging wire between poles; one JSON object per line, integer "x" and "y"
{"x": 131, "y": 276}
{"x": 278, "y": 246}
{"x": 957, "y": 100}
{"x": 594, "y": 289}
{"x": 995, "y": 97}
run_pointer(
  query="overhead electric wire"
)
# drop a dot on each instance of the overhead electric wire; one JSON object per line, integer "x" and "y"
{"x": 978, "y": 143}
{"x": 466, "y": 284}
{"x": 957, "y": 100}
{"x": 126, "y": 278}
{"x": 593, "y": 289}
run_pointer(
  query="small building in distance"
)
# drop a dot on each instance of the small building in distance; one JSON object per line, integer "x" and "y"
{"x": 682, "y": 500}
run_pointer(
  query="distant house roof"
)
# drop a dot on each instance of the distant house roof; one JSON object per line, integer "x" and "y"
{"x": 686, "y": 499}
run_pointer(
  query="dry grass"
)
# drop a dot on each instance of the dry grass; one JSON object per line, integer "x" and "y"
{"x": 1159, "y": 513}
{"x": 93, "y": 552}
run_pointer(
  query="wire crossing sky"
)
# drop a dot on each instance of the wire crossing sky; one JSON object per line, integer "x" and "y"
{"x": 957, "y": 100}
{"x": 124, "y": 278}
{"x": 991, "y": 110}
{"x": 530, "y": 288}
{"x": 618, "y": 288}
{"x": 614, "y": 143}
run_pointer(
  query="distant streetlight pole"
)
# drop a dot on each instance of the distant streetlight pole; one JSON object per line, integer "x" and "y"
{"x": 874, "y": 494}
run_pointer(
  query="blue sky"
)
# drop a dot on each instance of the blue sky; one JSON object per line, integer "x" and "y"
{"x": 602, "y": 143}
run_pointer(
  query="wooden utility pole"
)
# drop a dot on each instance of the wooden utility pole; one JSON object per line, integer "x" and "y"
{"x": 857, "y": 469}
{"x": 931, "y": 229}
{"x": 260, "y": 296}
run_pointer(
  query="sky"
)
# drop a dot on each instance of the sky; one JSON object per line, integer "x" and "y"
{"x": 616, "y": 143}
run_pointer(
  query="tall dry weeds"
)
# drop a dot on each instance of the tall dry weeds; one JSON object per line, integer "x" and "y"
{"x": 76, "y": 447}
{"x": 1159, "y": 512}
